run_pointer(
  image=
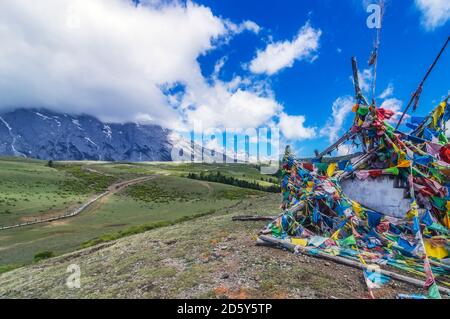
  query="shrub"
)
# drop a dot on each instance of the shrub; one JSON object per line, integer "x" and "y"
{"x": 43, "y": 255}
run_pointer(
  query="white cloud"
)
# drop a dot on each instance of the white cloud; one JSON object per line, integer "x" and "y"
{"x": 388, "y": 92}
{"x": 345, "y": 149}
{"x": 239, "y": 104}
{"x": 394, "y": 105}
{"x": 293, "y": 127}
{"x": 365, "y": 79}
{"x": 435, "y": 13}
{"x": 244, "y": 26}
{"x": 110, "y": 58}
{"x": 279, "y": 55}
{"x": 391, "y": 103}
{"x": 342, "y": 106}
{"x": 218, "y": 67}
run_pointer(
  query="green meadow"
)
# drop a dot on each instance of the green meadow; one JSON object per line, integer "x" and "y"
{"x": 31, "y": 189}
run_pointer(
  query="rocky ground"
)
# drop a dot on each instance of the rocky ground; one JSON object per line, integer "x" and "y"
{"x": 209, "y": 257}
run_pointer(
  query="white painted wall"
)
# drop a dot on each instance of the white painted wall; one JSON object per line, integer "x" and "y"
{"x": 378, "y": 194}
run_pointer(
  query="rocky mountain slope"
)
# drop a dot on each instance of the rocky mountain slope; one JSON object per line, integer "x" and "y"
{"x": 48, "y": 135}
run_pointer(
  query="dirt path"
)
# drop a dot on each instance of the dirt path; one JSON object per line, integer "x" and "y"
{"x": 92, "y": 170}
{"x": 207, "y": 185}
{"x": 97, "y": 199}
{"x": 115, "y": 188}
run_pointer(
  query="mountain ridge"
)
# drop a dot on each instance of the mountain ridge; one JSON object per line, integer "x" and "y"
{"x": 43, "y": 134}
{"x": 47, "y": 135}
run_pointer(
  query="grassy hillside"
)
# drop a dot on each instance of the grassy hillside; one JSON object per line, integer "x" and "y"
{"x": 208, "y": 257}
{"x": 32, "y": 189}
{"x": 164, "y": 236}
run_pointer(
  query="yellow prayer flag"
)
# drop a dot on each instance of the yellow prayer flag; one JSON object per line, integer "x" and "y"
{"x": 335, "y": 236}
{"x": 447, "y": 220}
{"x": 299, "y": 241}
{"x": 396, "y": 149}
{"x": 438, "y": 113}
{"x": 356, "y": 208}
{"x": 331, "y": 168}
{"x": 436, "y": 251}
{"x": 404, "y": 164}
{"x": 413, "y": 212}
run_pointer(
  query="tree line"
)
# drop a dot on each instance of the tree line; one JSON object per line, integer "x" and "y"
{"x": 229, "y": 180}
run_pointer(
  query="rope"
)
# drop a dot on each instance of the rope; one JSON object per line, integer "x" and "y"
{"x": 416, "y": 95}
{"x": 430, "y": 281}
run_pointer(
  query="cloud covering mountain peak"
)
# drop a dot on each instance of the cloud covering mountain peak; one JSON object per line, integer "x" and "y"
{"x": 108, "y": 58}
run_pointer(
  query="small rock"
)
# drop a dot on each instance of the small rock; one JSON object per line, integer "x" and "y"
{"x": 327, "y": 264}
{"x": 171, "y": 242}
{"x": 225, "y": 276}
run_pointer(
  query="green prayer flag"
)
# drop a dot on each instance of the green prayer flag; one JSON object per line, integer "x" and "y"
{"x": 276, "y": 232}
{"x": 389, "y": 127}
{"x": 349, "y": 241}
{"x": 433, "y": 292}
{"x": 321, "y": 166}
{"x": 438, "y": 227}
{"x": 392, "y": 170}
{"x": 363, "y": 110}
{"x": 443, "y": 138}
{"x": 436, "y": 174}
{"x": 439, "y": 202}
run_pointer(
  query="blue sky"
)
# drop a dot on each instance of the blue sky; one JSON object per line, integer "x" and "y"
{"x": 310, "y": 88}
{"x": 222, "y": 63}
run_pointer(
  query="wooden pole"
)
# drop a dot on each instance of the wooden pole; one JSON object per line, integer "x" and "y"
{"x": 358, "y": 93}
{"x": 356, "y": 78}
{"x": 252, "y": 218}
{"x": 361, "y": 161}
{"x": 344, "y": 261}
{"x": 347, "y": 136}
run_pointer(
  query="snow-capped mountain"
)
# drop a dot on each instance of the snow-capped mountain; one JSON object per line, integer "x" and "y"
{"x": 44, "y": 134}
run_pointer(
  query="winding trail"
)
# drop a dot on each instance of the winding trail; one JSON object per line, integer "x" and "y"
{"x": 99, "y": 198}
{"x": 207, "y": 185}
